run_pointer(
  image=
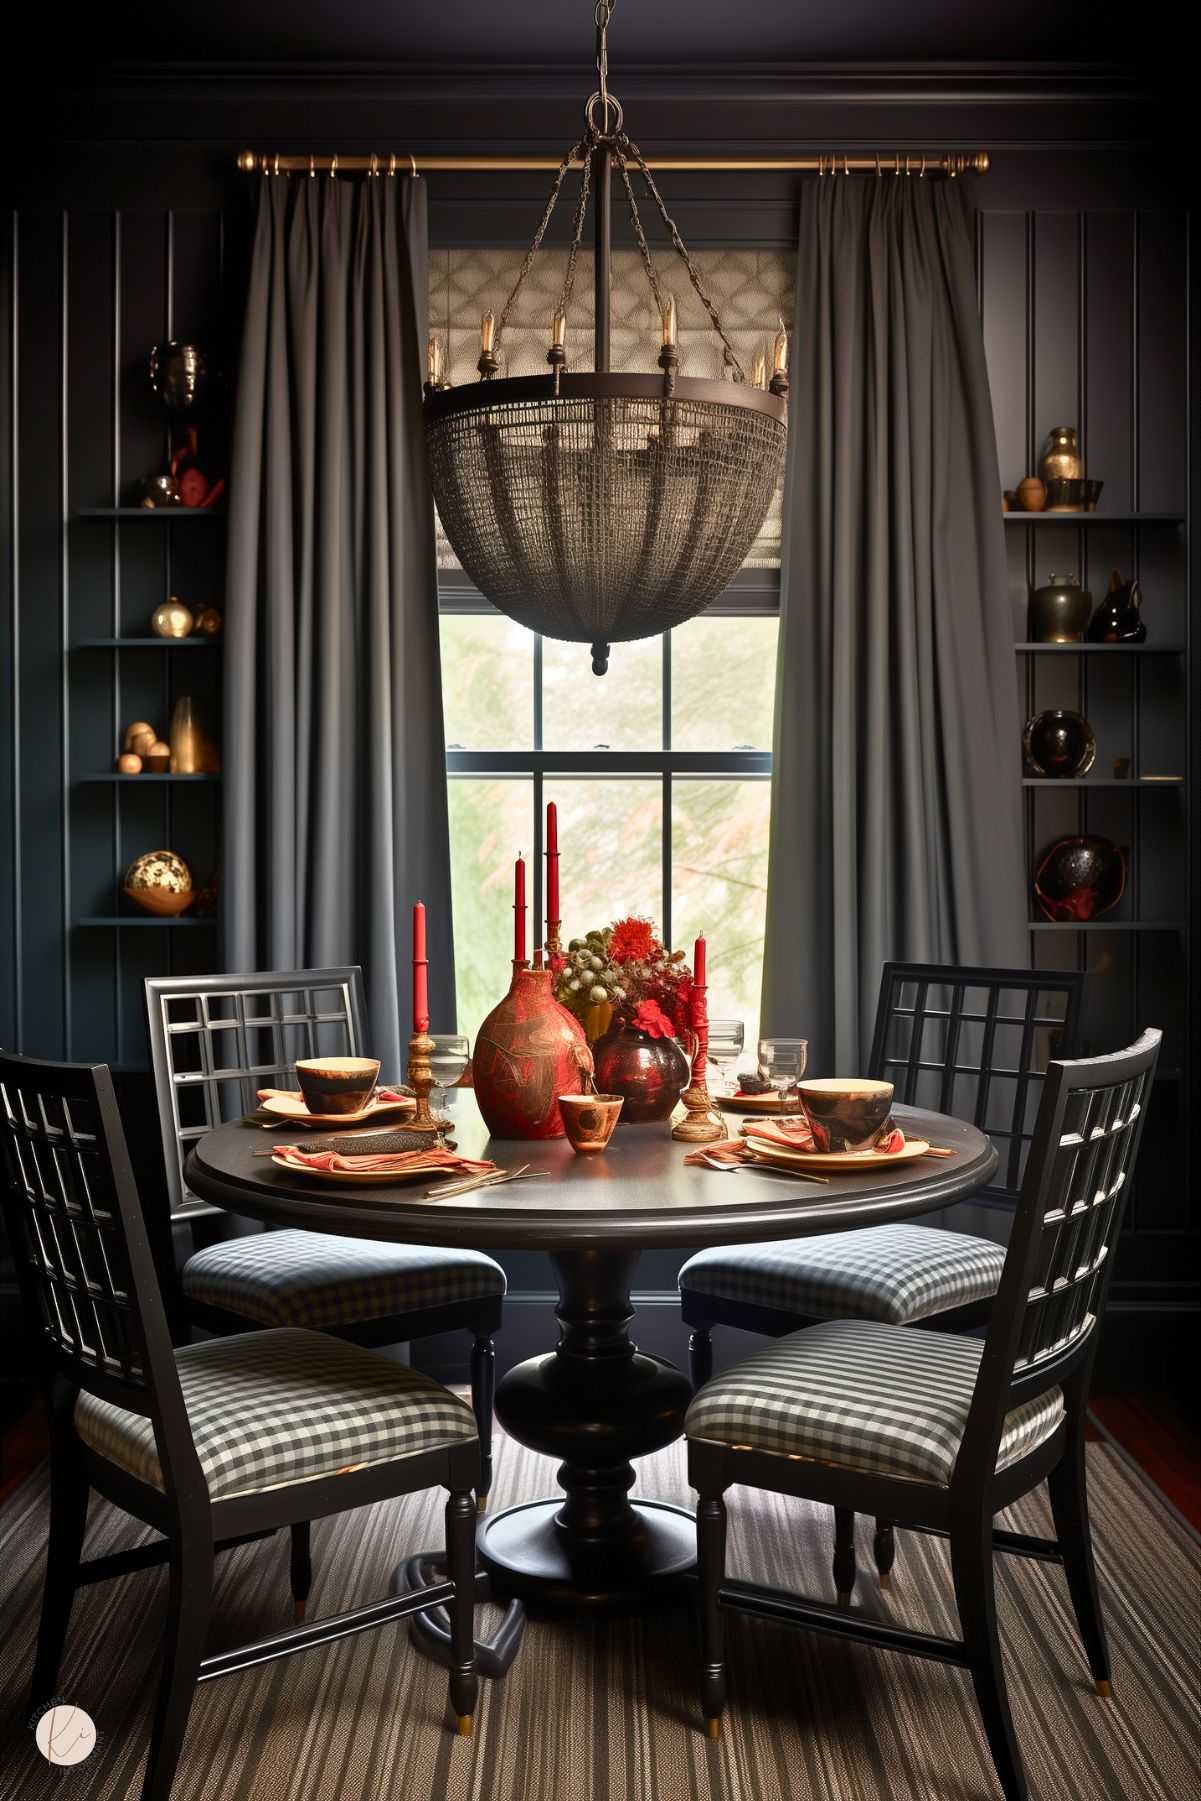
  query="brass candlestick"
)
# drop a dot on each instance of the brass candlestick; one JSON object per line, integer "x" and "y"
{"x": 701, "y": 1124}
{"x": 420, "y": 1078}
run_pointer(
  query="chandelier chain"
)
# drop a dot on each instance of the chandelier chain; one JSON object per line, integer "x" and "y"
{"x": 577, "y": 229}
{"x": 556, "y": 188}
{"x": 639, "y": 233}
{"x": 625, "y": 144}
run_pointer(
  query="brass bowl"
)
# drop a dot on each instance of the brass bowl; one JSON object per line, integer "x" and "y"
{"x": 164, "y": 903}
{"x": 1068, "y": 496}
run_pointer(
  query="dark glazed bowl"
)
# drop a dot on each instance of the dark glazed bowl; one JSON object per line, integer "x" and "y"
{"x": 1058, "y": 743}
{"x": 1068, "y": 495}
{"x": 1079, "y": 878}
{"x": 337, "y": 1084}
{"x": 845, "y": 1114}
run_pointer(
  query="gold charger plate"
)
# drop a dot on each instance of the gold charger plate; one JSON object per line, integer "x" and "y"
{"x": 393, "y": 1176}
{"x": 282, "y": 1106}
{"x": 842, "y": 1161}
{"x": 749, "y": 1103}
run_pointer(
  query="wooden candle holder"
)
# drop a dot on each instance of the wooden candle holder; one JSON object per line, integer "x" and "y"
{"x": 701, "y": 1124}
{"x": 420, "y": 1078}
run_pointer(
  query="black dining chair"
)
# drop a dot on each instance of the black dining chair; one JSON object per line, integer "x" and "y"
{"x": 215, "y": 1040}
{"x": 210, "y": 1444}
{"x": 968, "y": 1041}
{"x": 937, "y": 1430}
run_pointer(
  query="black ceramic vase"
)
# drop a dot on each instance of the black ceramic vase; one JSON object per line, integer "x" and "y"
{"x": 649, "y": 1073}
{"x": 1058, "y": 743}
{"x": 1079, "y": 878}
{"x": 1118, "y": 619}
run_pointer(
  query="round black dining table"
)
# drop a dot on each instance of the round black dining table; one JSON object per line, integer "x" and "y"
{"x": 595, "y": 1401}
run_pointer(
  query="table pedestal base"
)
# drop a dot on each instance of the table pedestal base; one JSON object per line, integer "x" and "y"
{"x": 528, "y": 1555}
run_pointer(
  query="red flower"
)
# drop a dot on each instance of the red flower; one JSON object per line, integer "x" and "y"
{"x": 633, "y": 941}
{"x": 650, "y": 1018}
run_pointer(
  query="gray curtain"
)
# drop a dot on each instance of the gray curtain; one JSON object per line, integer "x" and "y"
{"x": 335, "y": 778}
{"x": 896, "y": 824}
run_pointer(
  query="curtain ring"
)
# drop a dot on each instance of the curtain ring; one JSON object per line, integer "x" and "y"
{"x": 312, "y": 165}
{"x": 906, "y": 162}
{"x": 845, "y": 169}
{"x": 333, "y": 165}
{"x": 275, "y": 170}
{"x": 877, "y": 165}
{"x": 922, "y": 170}
{"x": 897, "y": 156}
{"x": 391, "y": 162}
{"x": 412, "y": 165}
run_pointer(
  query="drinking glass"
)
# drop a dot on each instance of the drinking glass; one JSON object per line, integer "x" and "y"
{"x": 726, "y": 1039}
{"x": 782, "y": 1063}
{"x": 448, "y": 1060}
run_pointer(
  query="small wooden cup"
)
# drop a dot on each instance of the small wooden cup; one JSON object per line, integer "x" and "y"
{"x": 337, "y": 1084}
{"x": 589, "y": 1119}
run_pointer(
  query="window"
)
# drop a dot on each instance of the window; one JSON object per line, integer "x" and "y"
{"x": 660, "y": 771}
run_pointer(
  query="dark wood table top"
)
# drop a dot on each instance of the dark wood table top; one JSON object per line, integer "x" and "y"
{"x": 638, "y": 1194}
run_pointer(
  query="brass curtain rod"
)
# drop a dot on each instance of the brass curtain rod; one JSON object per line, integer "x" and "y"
{"x": 942, "y": 162}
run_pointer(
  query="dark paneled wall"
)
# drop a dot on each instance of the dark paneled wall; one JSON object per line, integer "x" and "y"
{"x": 128, "y": 232}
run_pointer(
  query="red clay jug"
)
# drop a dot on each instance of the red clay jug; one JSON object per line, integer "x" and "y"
{"x": 528, "y": 1051}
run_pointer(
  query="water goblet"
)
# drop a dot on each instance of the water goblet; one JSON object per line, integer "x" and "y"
{"x": 448, "y": 1060}
{"x": 782, "y": 1063}
{"x": 726, "y": 1040}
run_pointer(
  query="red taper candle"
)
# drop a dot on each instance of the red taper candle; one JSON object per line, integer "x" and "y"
{"x": 552, "y": 863}
{"x": 699, "y": 975}
{"x": 519, "y": 910}
{"x": 421, "y": 991}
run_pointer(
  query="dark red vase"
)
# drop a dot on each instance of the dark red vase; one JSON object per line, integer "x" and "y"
{"x": 649, "y": 1073}
{"x": 528, "y": 1051}
{"x": 1079, "y": 878}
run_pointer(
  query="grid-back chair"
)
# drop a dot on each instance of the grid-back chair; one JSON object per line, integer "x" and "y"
{"x": 969, "y": 1041}
{"x": 941, "y": 1432}
{"x": 215, "y": 1040}
{"x": 191, "y": 1442}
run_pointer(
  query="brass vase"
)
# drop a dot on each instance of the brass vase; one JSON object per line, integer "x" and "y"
{"x": 192, "y": 749}
{"x": 1060, "y": 458}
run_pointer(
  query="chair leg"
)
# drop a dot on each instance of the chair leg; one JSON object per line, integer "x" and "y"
{"x": 884, "y": 1549}
{"x": 460, "y": 1566}
{"x": 711, "y": 1569}
{"x": 483, "y": 1388}
{"x": 844, "y": 1555}
{"x": 301, "y": 1573}
{"x": 68, "y": 1519}
{"x": 700, "y": 1356}
{"x": 1069, "y": 1509}
{"x": 187, "y": 1622}
{"x": 972, "y": 1571}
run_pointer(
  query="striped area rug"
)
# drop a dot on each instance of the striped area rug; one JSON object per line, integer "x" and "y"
{"x": 608, "y": 1711}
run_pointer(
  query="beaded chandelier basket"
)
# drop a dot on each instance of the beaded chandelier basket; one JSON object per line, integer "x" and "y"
{"x": 594, "y": 506}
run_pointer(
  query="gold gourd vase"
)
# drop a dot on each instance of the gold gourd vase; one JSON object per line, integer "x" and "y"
{"x": 192, "y": 749}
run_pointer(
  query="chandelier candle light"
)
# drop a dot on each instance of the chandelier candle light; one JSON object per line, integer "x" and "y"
{"x": 701, "y": 1124}
{"x": 592, "y": 505}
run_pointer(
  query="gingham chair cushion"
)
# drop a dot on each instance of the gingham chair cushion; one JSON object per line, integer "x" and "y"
{"x": 892, "y": 1273}
{"x": 889, "y": 1399}
{"x": 307, "y": 1279}
{"x": 268, "y": 1409}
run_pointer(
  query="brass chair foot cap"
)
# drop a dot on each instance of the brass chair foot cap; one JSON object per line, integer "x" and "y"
{"x": 298, "y": 1608}
{"x": 712, "y": 1728}
{"x": 463, "y": 1722}
{"x": 886, "y": 1583}
{"x": 1105, "y": 1690}
{"x": 481, "y": 1503}
{"x": 844, "y": 1597}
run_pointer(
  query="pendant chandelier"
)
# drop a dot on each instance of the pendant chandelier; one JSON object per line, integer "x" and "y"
{"x": 593, "y": 506}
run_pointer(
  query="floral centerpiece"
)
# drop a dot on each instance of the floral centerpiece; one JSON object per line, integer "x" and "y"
{"x": 634, "y": 999}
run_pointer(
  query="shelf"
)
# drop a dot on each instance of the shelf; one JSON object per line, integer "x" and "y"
{"x": 1105, "y": 781}
{"x": 129, "y": 919}
{"x": 1106, "y": 925}
{"x": 1125, "y": 650}
{"x": 147, "y": 778}
{"x": 1093, "y": 518}
{"x": 150, "y": 513}
{"x": 199, "y": 641}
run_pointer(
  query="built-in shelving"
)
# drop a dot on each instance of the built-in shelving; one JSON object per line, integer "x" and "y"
{"x": 147, "y": 777}
{"x": 1106, "y": 925}
{"x": 1142, "y": 782}
{"x": 130, "y": 919}
{"x": 1124, "y": 650}
{"x": 168, "y": 513}
{"x": 199, "y": 641}
{"x": 1093, "y": 518}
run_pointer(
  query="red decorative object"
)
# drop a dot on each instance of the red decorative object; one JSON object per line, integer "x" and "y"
{"x": 528, "y": 1051}
{"x": 552, "y": 865}
{"x": 421, "y": 997}
{"x": 650, "y": 1018}
{"x": 519, "y": 910}
{"x": 633, "y": 941}
{"x": 700, "y": 973}
{"x": 702, "y": 1123}
{"x": 650, "y": 1073}
{"x": 1079, "y": 878}
{"x": 192, "y": 484}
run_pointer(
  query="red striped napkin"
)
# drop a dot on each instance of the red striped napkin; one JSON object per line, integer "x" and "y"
{"x": 432, "y": 1160}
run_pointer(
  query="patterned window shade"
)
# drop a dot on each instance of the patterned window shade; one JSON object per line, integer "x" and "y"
{"x": 752, "y": 290}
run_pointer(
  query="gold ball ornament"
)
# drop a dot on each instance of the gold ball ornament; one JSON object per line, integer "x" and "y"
{"x": 208, "y": 622}
{"x": 160, "y": 881}
{"x": 172, "y": 619}
{"x": 129, "y": 764}
{"x": 139, "y": 729}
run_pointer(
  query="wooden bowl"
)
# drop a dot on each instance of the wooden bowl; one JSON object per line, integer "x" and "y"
{"x": 589, "y": 1119}
{"x": 1031, "y": 495}
{"x": 846, "y": 1114}
{"x": 337, "y": 1084}
{"x": 164, "y": 903}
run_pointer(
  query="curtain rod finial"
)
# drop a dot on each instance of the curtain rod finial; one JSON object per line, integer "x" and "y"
{"x": 248, "y": 162}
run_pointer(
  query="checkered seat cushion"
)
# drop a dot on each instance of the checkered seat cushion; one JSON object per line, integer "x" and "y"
{"x": 268, "y": 1409}
{"x": 891, "y": 1273}
{"x": 307, "y": 1279}
{"x": 892, "y": 1400}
